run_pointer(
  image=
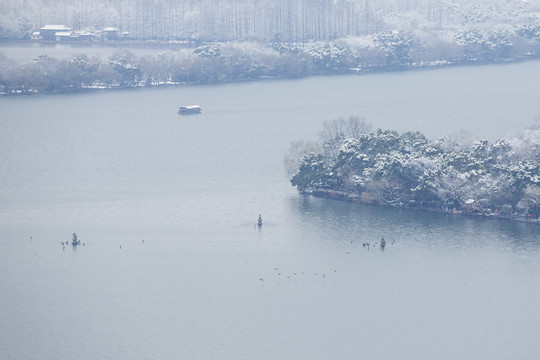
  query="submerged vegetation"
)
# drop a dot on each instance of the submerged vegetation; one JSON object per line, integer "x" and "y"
{"x": 452, "y": 174}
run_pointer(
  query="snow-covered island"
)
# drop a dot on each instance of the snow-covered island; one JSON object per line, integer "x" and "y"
{"x": 452, "y": 174}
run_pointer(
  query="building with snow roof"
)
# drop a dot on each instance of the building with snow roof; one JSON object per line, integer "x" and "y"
{"x": 110, "y": 33}
{"x": 48, "y": 32}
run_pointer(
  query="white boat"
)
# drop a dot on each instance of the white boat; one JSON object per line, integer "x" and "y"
{"x": 189, "y": 110}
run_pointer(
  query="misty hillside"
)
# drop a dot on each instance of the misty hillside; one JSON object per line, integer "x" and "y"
{"x": 266, "y": 20}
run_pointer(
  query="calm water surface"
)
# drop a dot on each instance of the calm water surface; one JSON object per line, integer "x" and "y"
{"x": 121, "y": 167}
{"x": 24, "y": 52}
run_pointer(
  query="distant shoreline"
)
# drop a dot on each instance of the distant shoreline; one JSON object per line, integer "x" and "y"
{"x": 115, "y": 43}
{"x": 366, "y": 70}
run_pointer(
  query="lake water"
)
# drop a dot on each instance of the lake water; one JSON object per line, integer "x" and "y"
{"x": 172, "y": 262}
{"x": 23, "y": 52}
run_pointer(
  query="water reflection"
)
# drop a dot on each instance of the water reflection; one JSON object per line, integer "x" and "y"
{"x": 365, "y": 223}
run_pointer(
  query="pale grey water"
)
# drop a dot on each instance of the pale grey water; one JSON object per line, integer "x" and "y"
{"x": 120, "y": 167}
{"x": 23, "y": 52}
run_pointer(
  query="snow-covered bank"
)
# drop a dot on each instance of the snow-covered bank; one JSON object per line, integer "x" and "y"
{"x": 229, "y": 62}
{"x": 364, "y": 199}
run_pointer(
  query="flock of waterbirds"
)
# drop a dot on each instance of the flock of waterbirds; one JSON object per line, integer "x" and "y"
{"x": 297, "y": 274}
{"x": 75, "y": 241}
{"x": 291, "y": 275}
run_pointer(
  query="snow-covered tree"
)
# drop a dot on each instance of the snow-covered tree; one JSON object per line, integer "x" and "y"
{"x": 312, "y": 173}
{"x": 268, "y": 20}
{"x": 297, "y": 151}
{"x": 398, "y": 169}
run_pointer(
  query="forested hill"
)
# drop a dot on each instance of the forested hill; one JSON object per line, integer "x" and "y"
{"x": 267, "y": 20}
{"x": 408, "y": 170}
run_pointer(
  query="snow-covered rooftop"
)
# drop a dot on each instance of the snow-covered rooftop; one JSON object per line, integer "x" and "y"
{"x": 56, "y": 27}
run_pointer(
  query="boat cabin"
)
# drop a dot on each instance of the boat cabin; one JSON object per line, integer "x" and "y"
{"x": 189, "y": 110}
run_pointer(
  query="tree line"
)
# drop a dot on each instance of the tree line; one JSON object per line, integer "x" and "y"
{"x": 261, "y": 20}
{"x": 208, "y": 20}
{"x": 409, "y": 170}
{"x": 235, "y": 61}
